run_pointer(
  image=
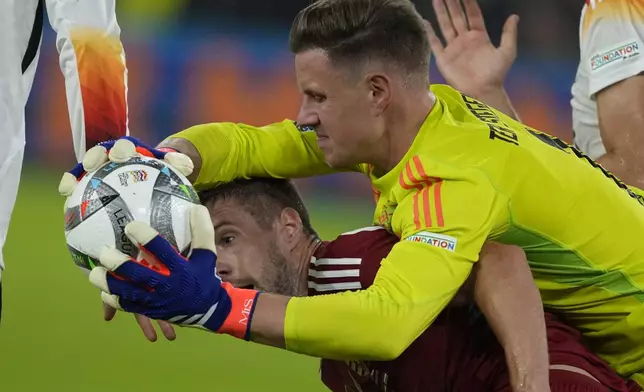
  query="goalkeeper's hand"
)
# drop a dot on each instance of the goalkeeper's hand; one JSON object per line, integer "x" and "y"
{"x": 145, "y": 324}
{"x": 121, "y": 150}
{"x": 184, "y": 291}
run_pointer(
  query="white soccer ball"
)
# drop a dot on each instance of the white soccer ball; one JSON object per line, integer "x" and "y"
{"x": 104, "y": 202}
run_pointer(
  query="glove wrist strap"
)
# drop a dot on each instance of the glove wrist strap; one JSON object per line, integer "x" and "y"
{"x": 242, "y": 307}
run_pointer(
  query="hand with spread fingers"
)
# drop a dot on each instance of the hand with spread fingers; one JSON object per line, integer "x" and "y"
{"x": 186, "y": 291}
{"x": 469, "y": 61}
{"x": 118, "y": 151}
{"x": 121, "y": 150}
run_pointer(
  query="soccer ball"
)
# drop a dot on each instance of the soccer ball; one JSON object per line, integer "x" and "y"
{"x": 104, "y": 202}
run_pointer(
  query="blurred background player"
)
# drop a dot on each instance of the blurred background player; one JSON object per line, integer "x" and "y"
{"x": 608, "y": 92}
{"x": 92, "y": 61}
{"x": 265, "y": 240}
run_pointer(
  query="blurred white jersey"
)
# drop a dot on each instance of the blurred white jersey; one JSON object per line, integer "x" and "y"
{"x": 93, "y": 63}
{"x": 611, "y": 38}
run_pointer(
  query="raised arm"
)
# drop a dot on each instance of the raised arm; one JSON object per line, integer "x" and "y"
{"x": 468, "y": 61}
{"x": 611, "y": 46}
{"x": 92, "y": 61}
{"x": 225, "y": 151}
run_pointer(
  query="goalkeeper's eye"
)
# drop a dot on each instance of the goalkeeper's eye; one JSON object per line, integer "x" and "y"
{"x": 227, "y": 240}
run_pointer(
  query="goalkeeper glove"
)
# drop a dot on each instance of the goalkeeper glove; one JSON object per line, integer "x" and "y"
{"x": 121, "y": 150}
{"x": 183, "y": 291}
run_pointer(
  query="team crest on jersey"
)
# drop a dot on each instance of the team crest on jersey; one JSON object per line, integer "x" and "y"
{"x": 386, "y": 212}
{"x": 615, "y": 55}
{"x": 438, "y": 240}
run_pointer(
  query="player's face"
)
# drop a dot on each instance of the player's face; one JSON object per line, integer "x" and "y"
{"x": 250, "y": 255}
{"x": 339, "y": 104}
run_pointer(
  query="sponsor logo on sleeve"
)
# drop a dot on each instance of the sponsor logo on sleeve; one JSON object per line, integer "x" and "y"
{"x": 615, "y": 55}
{"x": 438, "y": 240}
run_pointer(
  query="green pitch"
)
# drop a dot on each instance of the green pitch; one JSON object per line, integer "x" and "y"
{"x": 53, "y": 338}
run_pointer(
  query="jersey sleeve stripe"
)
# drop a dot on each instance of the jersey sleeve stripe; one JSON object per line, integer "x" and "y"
{"x": 335, "y": 286}
{"x": 438, "y": 204}
{"x": 416, "y": 211}
{"x": 344, "y": 273}
{"x": 426, "y": 208}
{"x": 339, "y": 261}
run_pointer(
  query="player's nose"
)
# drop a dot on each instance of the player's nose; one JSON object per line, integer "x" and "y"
{"x": 307, "y": 117}
{"x": 223, "y": 268}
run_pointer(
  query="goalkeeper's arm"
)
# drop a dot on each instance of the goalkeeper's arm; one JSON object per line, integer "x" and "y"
{"x": 224, "y": 151}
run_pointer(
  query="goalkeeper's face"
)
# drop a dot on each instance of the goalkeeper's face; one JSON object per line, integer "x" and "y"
{"x": 256, "y": 253}
{"x": 344, "y": 105}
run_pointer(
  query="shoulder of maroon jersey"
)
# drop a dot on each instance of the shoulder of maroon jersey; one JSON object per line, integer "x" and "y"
{"x": 358, "y": 243}
{"x": 350, "y": 262}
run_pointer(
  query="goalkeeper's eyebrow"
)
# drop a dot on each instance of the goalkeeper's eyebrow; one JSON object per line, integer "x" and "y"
{"x": 223, "y": 223}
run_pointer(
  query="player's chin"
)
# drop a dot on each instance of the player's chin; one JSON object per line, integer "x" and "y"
{"x": 334, "y": 159}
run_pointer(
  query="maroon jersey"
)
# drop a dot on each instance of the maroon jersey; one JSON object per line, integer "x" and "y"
{"x": 458, "y": 352}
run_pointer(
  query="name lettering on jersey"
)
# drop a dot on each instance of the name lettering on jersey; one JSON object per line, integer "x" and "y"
{"x": 428, "y": 188}
{"x": 498, "y": 129}
{"x": 612, "y": 56}
{"x": 563, "y": 146}
{"x": 438, "y": 240}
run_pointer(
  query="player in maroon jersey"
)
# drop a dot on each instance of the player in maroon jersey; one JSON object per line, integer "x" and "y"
{"x": 265, "y": 240}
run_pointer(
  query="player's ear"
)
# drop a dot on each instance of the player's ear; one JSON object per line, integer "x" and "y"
{"x": 380, "y": 91}
{"x": 291, "y": 225}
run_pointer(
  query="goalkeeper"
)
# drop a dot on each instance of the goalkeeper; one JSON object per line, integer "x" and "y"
{"x": 449, "y": 173}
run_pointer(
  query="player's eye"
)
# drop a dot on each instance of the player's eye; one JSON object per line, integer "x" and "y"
{"x": 317, "y": 98}
{"x": 226, "y": 240}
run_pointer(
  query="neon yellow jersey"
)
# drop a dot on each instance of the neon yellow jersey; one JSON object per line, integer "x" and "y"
{"x": 471, "y": 174}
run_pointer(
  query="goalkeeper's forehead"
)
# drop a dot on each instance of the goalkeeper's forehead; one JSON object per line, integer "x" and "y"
{"x": 235, "y": 211}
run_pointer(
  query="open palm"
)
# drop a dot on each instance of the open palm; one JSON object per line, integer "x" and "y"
{"x": 469, "y": 61}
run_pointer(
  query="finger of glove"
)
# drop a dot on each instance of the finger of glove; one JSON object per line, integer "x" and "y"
{"x": 111, "y": 300}
{"x": 153, "y": 244}
{"x": 123, "y": 150}
{"x": 125, "y": 267}
{"x": 98, "y": 278}
{"x": 94, "y": 158}
{"x": 201, "y": 229}
{"x": 181, "y": 162}
{"x": 67, "y": 184}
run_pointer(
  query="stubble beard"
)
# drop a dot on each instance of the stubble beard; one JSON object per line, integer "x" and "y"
{"x": 281, "y": 276}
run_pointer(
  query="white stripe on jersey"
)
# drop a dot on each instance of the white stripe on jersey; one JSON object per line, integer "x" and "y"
{"x": 346, "y": 276}
{"x": 334, "y": 274}
{"x": 369, "y": 228}
{"x": 335, "y": 286}
{"x": 342, "y": 261}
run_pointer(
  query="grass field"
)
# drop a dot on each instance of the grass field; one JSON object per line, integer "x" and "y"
{"x": 53, "y": 338}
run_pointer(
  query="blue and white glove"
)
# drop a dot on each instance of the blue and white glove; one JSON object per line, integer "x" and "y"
{"x": 182, "y": 291}
{"x": 118, "y": 151}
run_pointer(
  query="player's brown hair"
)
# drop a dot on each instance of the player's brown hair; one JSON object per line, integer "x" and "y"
{"x": 352, "y": 31}
{"x": 263, "y": 198}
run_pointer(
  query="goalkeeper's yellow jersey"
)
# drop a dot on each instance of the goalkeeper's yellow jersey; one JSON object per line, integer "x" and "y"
{"x": 471, "y": 174}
